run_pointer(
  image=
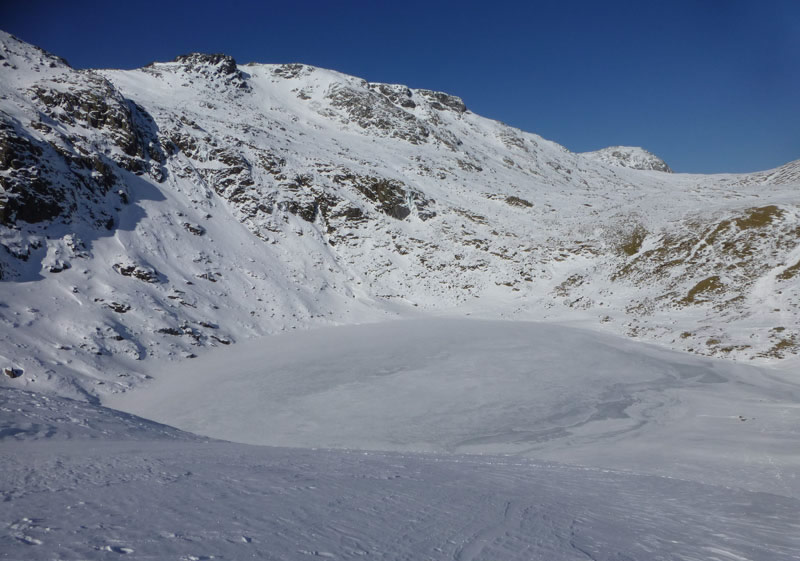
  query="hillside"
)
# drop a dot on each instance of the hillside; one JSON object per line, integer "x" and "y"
{"x": 148, "y": 214}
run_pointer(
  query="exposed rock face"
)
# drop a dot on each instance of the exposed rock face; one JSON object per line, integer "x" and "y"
{"x": 200, "y": 62}
{"x": 65, "y": 157}
{"x": 390, "y": 197}
{"x": 397, "y": 94}
{"x": 143, "y": 273}
{"x": 376, "y": 112}
{"x": 442, "y": 101}
{"x": 26, "y": 195}
{"x": 214, "y": 65}
{"x": 196, "y": 202}
{"x": 45, "y": 180}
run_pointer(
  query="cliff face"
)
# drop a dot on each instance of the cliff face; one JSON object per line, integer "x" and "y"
{"x": 149, "y": 213}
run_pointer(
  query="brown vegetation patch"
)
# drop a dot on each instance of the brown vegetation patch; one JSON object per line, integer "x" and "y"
{"x": 759, "y": 217}
{"x": 790, "y": 272}
{"x": 516, "y": 201}
{"x": 708, "y": 285}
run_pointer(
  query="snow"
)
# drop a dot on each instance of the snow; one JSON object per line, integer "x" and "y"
{"x": 84, "y": 482}
{"x": 468, "y": 386}
{"x": 629, "y": 157}
{"x": 430, "y": 436}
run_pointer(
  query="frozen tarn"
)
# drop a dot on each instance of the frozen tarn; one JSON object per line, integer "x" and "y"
{"x": 110, "y": 491}
{"x": 474, "y": 386}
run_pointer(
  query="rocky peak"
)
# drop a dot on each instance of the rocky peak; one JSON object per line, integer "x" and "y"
{"x": 291, "y": 71}
{"x": 225, "y": 64}
{"x": 218, "y": 67}
{"x": 631, "y": 157}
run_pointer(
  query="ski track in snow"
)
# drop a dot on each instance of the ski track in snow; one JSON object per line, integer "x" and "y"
{"x": 195, "y": 499}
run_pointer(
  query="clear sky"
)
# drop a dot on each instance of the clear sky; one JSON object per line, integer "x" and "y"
{"x": 708, "y": 85}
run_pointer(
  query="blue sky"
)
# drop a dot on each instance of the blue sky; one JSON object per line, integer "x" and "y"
{"x": 709, "y": 85}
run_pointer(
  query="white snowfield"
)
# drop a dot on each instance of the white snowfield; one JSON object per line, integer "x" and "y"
{"x": 591, "y": 447}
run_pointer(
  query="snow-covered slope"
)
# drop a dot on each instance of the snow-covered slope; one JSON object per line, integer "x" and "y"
{"x": 187, "y": 500}
{"x": 707, "y": 452}
{"x": 150, "y": 213}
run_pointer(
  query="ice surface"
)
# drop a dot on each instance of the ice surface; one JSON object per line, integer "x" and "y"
{"x": 470, "y": 386}
{"x": 110, "y": 491}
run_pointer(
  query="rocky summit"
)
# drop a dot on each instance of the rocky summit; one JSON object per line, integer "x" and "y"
{"x": 148, "y": 214}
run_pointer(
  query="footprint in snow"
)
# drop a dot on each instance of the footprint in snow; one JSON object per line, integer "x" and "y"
{"x": 28, "y": 540}
{"x": 117, "y": 549}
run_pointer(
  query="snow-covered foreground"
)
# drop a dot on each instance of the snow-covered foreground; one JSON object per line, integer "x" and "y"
{"x": 84, "y": 482}
{"x": 469, "y": 386}
{"x": 592, "y": 447}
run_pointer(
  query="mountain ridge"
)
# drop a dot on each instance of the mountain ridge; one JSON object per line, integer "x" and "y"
{"x": 150, "y": 213}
